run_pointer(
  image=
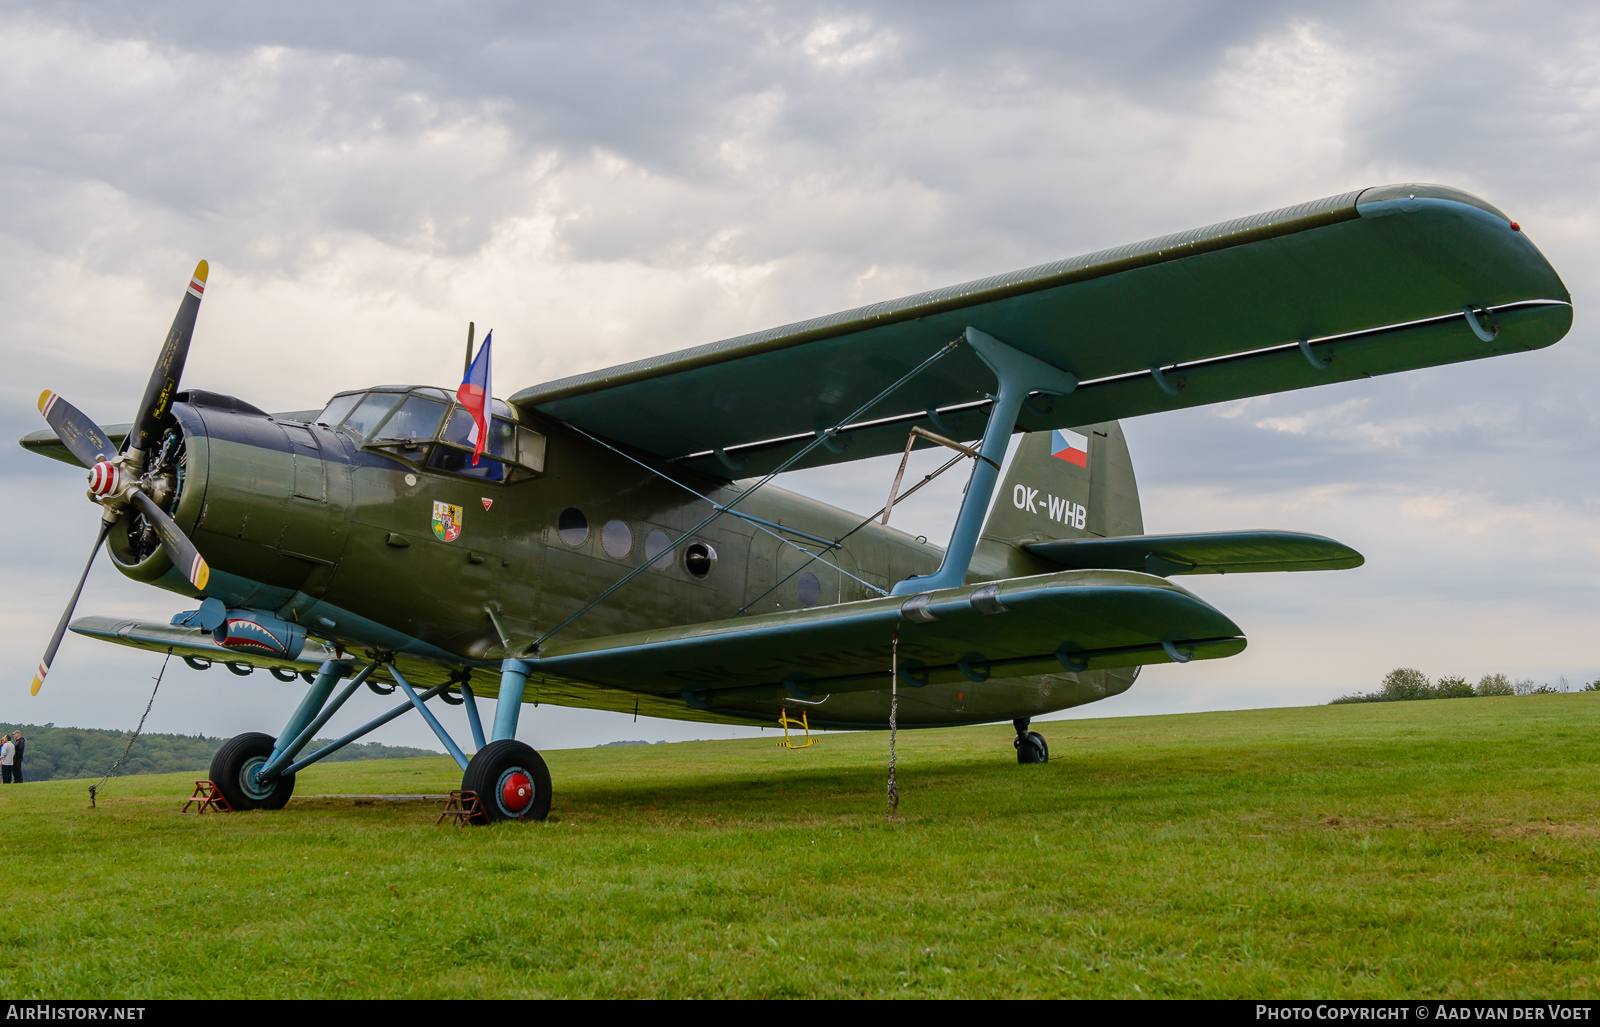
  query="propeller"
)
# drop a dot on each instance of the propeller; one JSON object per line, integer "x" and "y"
{"x": 117, "y": 481}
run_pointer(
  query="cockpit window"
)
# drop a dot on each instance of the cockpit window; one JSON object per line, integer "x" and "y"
{"x": 458, "y": 461}
{"x": 418, "y": 418}
{"x": 502, "y": 443}
{"x": 370, "y": 412}
{"x": 337, "y": 407}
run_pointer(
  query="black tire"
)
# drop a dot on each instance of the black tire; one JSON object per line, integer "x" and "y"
{"x": 1033, "y": 749}
{"x": 495, "y": 767}
{"x": 241, "y": 755}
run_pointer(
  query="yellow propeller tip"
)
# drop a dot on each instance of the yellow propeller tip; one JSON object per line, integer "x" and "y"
{"x": 37, "y": 681}
{"x": 201, "y": 270}
{"x": 44, "y": 399}
{"x": 202, "y": 574}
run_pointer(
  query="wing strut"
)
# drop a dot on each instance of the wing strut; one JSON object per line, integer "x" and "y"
{"x": 1019, "y": 375}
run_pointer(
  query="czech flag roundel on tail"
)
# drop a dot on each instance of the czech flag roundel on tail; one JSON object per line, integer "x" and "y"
{"x": 476, "y": 395}
{"x": 1069, "y": 446}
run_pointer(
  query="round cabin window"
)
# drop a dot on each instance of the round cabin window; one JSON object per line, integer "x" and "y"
{"x": 616, "y": 539}
{"x": 808, "y": 589}
{"x": 699, "y": 559}
{"x": 655, "y": 550}
{"x": 572, "y": 526}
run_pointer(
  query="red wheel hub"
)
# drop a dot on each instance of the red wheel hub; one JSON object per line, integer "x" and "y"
{"x": 517, "y": 792}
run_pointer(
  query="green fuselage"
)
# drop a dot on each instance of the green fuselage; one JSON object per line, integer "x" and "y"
{"x": 370, "y": 548}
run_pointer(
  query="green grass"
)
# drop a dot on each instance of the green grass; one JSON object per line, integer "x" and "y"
{"x": 1441, "y": 849}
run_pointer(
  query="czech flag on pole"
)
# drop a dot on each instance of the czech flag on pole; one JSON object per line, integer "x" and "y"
{"x": 476, "y": 395}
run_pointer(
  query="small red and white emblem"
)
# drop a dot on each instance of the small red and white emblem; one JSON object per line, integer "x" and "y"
{"x": 487, "y": 502}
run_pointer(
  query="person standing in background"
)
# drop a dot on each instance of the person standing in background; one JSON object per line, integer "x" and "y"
{"x": 16, "y": 757}
{"x": 8, "y": 753}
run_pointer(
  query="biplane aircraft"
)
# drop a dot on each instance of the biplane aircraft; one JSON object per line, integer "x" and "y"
{"x": 615, "y": 543}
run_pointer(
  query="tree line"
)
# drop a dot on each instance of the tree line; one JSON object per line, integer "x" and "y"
{"x": 54, "y": 753}
{"x": 1404, "y": 684}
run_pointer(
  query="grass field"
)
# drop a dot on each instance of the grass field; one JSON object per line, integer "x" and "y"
{"x": 1444, "y": 848}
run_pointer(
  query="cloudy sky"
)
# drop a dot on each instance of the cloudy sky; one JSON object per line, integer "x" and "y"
{"x": 604, "y": 182}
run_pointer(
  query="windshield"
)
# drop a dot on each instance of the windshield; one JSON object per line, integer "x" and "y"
{"x": 417, "y": 418}
{"x": 370, "y": 412}
{"x": 337, "y": 407}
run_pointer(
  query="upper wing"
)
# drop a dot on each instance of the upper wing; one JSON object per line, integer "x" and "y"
{"x": 1207, "y": 552}
{"x": 1376, "y": 280}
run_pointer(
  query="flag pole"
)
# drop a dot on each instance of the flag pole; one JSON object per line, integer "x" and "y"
{"x": 468, "y": 365}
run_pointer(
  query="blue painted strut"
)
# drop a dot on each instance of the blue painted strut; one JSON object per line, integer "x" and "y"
{"x": 1019, "y": 375}
{"x": 513, "y": 685}
{"x": 427, "y": 715}
{"x": 472, "y": 715}
{"x": 367, "y": 728}
{"x": 328, "y": 675}
{"x": 283, "y": 751}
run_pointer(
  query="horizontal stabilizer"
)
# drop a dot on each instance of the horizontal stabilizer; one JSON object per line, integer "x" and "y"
{"x": 1210, "y": 552}
{"x": 1047, "y": 624}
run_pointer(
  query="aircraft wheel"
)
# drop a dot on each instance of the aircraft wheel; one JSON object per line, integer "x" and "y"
{"x": 511, "y": 780}
{"x": 1032, "y": 749}
{"x": 234, "y": 768}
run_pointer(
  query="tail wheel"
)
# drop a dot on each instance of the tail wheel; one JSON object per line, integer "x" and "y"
{"x": 511, "y": 780}
{"x": 234, "y": 769}
{"x": 1032, "y": 749}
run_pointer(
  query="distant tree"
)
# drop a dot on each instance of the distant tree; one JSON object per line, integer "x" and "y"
{"x": 1593, "y": 686}
{"x": 1453, "y": 687}
{"x": 1405, "y": 683}
{"x": 1495, "y": 684}
{"x": 66, "y": 752}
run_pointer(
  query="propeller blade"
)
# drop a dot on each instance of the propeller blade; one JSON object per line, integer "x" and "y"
{"x": 72, "y": 604}
{"x": 168, "y": 370}
{"x": 82, "y": 437}
{"x": 184, "y": 555}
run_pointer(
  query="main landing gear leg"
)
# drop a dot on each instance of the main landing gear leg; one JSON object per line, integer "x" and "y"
{"x": 510, "y": 778}
{"x": 250, "y": 768}
{"x": 1031, "y": 747}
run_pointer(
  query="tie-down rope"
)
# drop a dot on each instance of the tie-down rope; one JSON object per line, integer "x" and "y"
{"x": 94, "y": 789}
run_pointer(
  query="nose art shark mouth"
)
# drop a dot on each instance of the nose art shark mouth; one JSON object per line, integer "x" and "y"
{"x": 247, "y": 634}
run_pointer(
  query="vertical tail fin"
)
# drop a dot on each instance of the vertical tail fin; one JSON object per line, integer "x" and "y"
{"x": 1067, "y": 483}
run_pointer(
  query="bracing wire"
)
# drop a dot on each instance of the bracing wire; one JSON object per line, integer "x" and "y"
{"x": 753, "y": 522}
{"x": 840, "y": 540}
{"x": 796, "y": 458}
